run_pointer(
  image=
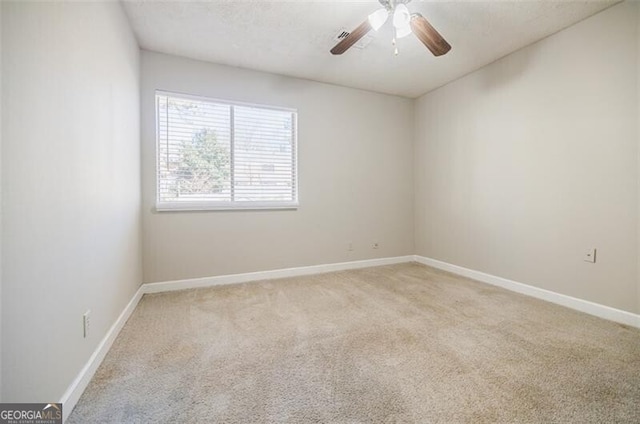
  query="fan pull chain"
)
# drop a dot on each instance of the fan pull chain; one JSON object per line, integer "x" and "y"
{"x": 393, "y": 42}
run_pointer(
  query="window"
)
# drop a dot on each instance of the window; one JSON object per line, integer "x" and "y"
{"x": 214, "y": 154}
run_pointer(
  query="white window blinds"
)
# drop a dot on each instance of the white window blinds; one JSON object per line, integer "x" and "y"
{"x": 220, "y": 155}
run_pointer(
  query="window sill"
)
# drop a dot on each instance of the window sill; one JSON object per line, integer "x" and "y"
{"x": 216, "y": 207}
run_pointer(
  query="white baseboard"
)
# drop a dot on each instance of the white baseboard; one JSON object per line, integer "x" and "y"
{"x": 75, "y": 390}
{"x": 270, "y": 275}
{"x": 586, "y": 306}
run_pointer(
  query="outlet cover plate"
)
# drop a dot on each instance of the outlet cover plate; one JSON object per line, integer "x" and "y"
{"x": 86, "y": 323}
{"x": 590, "y": 256}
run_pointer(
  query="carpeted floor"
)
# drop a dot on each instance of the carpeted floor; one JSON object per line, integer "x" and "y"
{"x": 395, "y": 344}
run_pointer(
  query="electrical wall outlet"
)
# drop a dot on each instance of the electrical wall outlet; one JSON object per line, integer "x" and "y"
{"x": 590, "y": 256}
{"x": 86, "y": 323}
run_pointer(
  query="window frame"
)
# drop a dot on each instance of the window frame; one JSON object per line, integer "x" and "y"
{"x": 232, "y": 204}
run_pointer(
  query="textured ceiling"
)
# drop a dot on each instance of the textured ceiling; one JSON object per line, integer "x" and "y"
{"x": 294, "y": 37}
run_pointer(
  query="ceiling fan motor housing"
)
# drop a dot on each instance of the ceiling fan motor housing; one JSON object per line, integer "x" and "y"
{"x": 391, "y": 4}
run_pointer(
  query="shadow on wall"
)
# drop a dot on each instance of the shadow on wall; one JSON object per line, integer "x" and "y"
{"x": 509, "y": 71}
{"x": 284, "y": 84}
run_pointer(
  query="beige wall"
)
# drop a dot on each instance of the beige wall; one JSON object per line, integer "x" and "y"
{"x": 70, "y": 187}
{"x": 523, "y": 165}
{"x": 1, "y": 96}
{"x": 638, "y": 121}
{"x": 355, "y": 185}
{"x": 519, "y": 167}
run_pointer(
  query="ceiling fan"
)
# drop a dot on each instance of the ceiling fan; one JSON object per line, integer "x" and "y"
{"x": 404, "y": 23}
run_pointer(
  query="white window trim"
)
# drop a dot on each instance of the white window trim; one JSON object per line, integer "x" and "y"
{"x": 231, "y": 205}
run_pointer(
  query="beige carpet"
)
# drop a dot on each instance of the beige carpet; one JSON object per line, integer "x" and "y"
{"x": 395, "y": 344}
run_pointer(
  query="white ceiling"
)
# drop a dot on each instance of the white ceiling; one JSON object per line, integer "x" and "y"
{"x": 294, "y": 37}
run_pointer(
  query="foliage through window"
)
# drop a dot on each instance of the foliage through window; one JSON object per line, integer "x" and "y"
{"x": 221, "y": 155}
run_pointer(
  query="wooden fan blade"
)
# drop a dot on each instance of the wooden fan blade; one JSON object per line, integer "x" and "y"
{"x": 352, "y": 38}
{"x": 428, "y": 35}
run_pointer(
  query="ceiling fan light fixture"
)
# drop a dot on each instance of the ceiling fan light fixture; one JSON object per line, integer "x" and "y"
{"x": 401, "y": 17}
{"x": 404, "y": 23}
{"x": 378, "y": 18}
{"x": 403, "y": 32}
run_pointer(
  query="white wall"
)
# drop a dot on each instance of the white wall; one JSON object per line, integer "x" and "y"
{"x": 355, "y": 183}
{"x": 70, "y": 187}
{"x": 523, "y": 165}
